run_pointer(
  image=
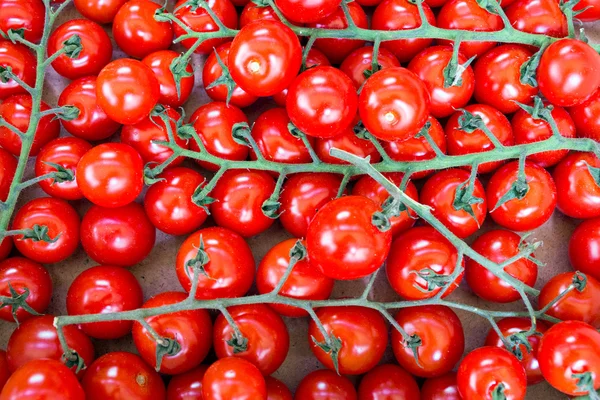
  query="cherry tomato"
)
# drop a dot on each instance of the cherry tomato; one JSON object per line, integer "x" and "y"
{"x": 100, "y": 11}
{"x": 6, "y": 246}
{"x": 4, "y": 372}
{"x": 304, "y": 11}
{"x": 122, "y": 236}
{"x": 233, "y": 378}
{"x": 103, "y": 289}
{"x": 387, "y": 381}
{"x": 127, "y": 90}
{"x": 347, "y": 141}
{"x": 23, "y": 14}
{"x": 191, "y": 329}
{"x": 187, "y": 385}
{"x": 254, "y": 12}
{"x": 414, "y": 251}
{"x": 529, "y": 208}
{"x": 162, "y": 63}
{"x": 569, "y": 72}
{"x": 358, "y": 64}
{"x": 276, "y": 390}
{"x": 22, "y": 63}
{"x": 229, "y": 271}
{"x": 441, "y": 388}
{"x": 577, "y": 193}
{"x": 264, "y": 57}
{"x": 8, "y": 166}
{"x": 24, "y": 276}
{"x": 325, "y": 384}
{"x": 394, "y": 104}
{"x": 111, "y": 174}
{"x": 583, "y": 246}
{"x": 586, "y": 117}
{"x": 16, "y": 110}
{"x": 538, "y": 16}
{"x": 591, "y": 13}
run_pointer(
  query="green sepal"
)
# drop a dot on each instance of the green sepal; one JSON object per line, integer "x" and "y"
{"x": 381, "y": 221}
{"x": 39, "y": 233}
{"x": 73, "y": 46}
{"x": 167, "y": 347}
{"x": 433, "y": 279}
{"x": 261, "y": 3}
{"x": 517, "y": 340}
{"x": 367, "y": 73}
{"x": 73, "y": 359}
{"x": 424, "y": 131}
{"x": 393, "y": 208}
{"x": 360, "y": 131}
{"x": 225, "y": 79}
{"x": 585, "y": 382}
{"x": 333, "y": 349}
{"x": 298, "y": 251}
{"x": 179, "y": 69}
{"x": 68, "y": 113}
{"x": 454, "y": 71}
{"x": 62, "y": 174}
{"x": 518, "y": 190}
{"x": 465, "y": 200}
{"x": 238, "y": 343}
{"x": 186, "y": 131}
{"x": 14, "y": 34}
{"x": 529, "y": 248}
{"x": 414, "y": 342}
{"x": 498, "y": 392}
{"x": 528, "y": 70}
{"x": 595, "y": 173}
{"x": 490, "y": 6}
{"x": 538, "y": 110}
{"x": 196, "y": 4}
{"x": 270, "y": 208}
{"x": 150, "y": 175}
{"x": 294, "y": 131}
{"x": 16, "y": 301}
{"x": 240, "y": 133}
{"x": 469, "y": 122}
{"x": 6, "y": 73}
{"x": 200, "y": 260}
{"x": 579, "y": 281}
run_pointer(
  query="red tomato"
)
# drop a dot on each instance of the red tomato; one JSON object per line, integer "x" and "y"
{"x": 92, "y": 123}
{"x": 6, "y": 246}
{"x": 532, "y": 207}
{"x": 325, "y": 384}
{"x": 583, "y": 246}
{"x": 122, "y": 236}
{"x": 254, "y": 12}
{"x": 468, "y": 15}
{"x": 233, "y": 378}
{"x": 387, "y": 381}
{"x": 122, "y": 375}
{"x": 304, "y": 282}
{"x": 24, "y": 276}
{"x": 592, "y": 10}
{"x": 127, "y": 90}
{"x": 96, "y": 49}
{"x": 394, "y": 104}
{"x": 5, "y": 373}
{"x": 229, "y": 271}
{"x": 161, "y": 62}
{"x": 264, "y": 57}
{"x": 349, "y": 142}
{"x": 577, "y": 193}
{"x": 37, "y": 338}
{"x": 191, "y": 329}
{"x": 187, "y": 385}
{"x": 111, "y": 175}
{"x": 40, "y": 379}
{"x": 16, "y": 110}
{"x": 576, "y": 305}
{"x": 569, "y": 72}
{"x": 343, "y": 242}
{"x": 8, "y": 166}
{"x": 412, "y": 252}
{"x": 586, "y": 117}
{"x": 484, "y": 369}
{"x": 566, "y": 350}
{"x": 442, "y": 192}
{"x": 538, "y": 16}
{"x": 22, "y": 63}
{"x": 100, "y": 11}
{"x": 441, "y": 388}
{"x": 104, "y": 289}
{"x": 357, "y": 63}
{"x": 304, "y": 11}
{"x": 63, "y": 229}
{"x": 23, "y": 14}
{"x": 276, "y": 390}
{"x": 395, "y": 15}
{"x": 441, "y": 333}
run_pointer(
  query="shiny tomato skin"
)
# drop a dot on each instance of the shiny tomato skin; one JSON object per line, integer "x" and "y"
{"x": 160, "y": 62}
{"x": 394, "y": 104}
{"x": 586, "y": 117}
{"x": 63, "y": 225}
{"x": 16, "y": 110}
{"x": 360, "y": 60}
{"x": 303, "y": 11}
{"x": 577, "y": 194}
{"x": 6, "y": 246}
{"x": 305, "y": 281}
{"x": 103, "y": 289}
{"x": 393, "y": 15}
{"x": 387, "y": 381}
{"x": 233, "y": 378}
{"x": 188, "y": 385}
{"x": 127, "y": 90}
{"x": 67, "y": 152}
{"x": 529, "y": 212}
{"x": 122, "y": 236}
{"x": 23, "y": 14}
{"x": 322, "y": 102}
{"x": 43, "y": 379}
{"x": 439, "y": 192}
{"x": 276, "y": 390}
{"x": 264, "y": 57}
{"x": 192, "y": 330}
{"x": 592, "y": 12}
{"x": 441, "y": 333}
{"x": 253, "y": 12}
{"x": 325, "y": 384}
{"x": 346, "y": 141}
{"x": 23, "y": 274}
{"x": 342, "y": 241}
{"x": 416, "y": 249}
{"x": 583, "y": 246}
{"x": 100, "y": 11}
{"x": 230, "y": 269}
{"x": 538, "y": 16}
{"x": 22, "y": 63}
{"x": 441, "y": 388}
{"x": 267, "y": 334}
{"x": 8, "y": 166}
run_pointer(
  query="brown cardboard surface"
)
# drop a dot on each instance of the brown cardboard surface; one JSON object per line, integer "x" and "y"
{"x": 157, "y": 273}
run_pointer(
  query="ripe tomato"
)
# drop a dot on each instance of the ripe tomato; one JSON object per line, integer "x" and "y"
{"x": 24, "y": 276}
{"x": 121, "y": 236}
{"x": 577, "y": 193}
{"x": 443, "y": 192}
{"x": 254, "y": 12}
{"x": 43, "y": 379}
{"x": 441, "y": 388}
{"x": 363, "y": 334}
{"x": 137, "y": 32}
{"x": 304, "y": 282}
{"x": 325, "y": 384}
{"x": 276, "y": 390}
{"x": 100, "y": 11}
{"x": 531, "y": 207}
{"x": 343, "y": 242}
{"x": 122, "y": 375}
{"x": 569, "y": 72}
{"x": 586, "y": 117}
{"x": 103, "y": 289}
{"x": 441, "y": 333}
{"x": 4, "y": 372}
{"x": 264, "y": 57}
{"x": 186, "y": 385}
{"x": 22, "y": 63}
{"x": 111, "y": 175}
{"x": 414, "y": 251}
{"x": 570, "y": 348}
{"x": 394, "y": 104}
{"x": 6, "y": 246}
{"x": 92, "y": 123}
{"x": 513, "y": 325}
{"x": 583, "y": 246}
{"x": 233, "y": 378}
{"x": 360, "y": 60}
{"x": 23, "y": 14}
{"x": 387, "y": 381}
{"x": 229, "y": 271}
{"x": 576, "y": 305}
{"x": 127, "y": 90}
{"x": 63, "y": 229}
{"x": 160, "y": 62}
{"x": 538, "y": 16}
{"x": 8, "y": 166}
{"x": 16, "y": 110}
{"x": 592, "y": 10}
{"x": 191, "y": 329}
{"x": 349, "y": 142}
{"x": 526, "y": 129}
{"x": 394, "y": 15}
{"x": 304, "y": 11}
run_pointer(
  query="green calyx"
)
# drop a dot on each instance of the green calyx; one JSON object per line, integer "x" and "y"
{"x": 165, "y": 347}
{"x": 17, "y": 301}
{"x": 332, "y": 345}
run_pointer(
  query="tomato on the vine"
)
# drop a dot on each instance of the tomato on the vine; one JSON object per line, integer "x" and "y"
{"x": 349, "y": 142}
{"x": 254, "y": 12}
{"x": 358, "y": 64}
{"x": 586, "y": 117}
{"x": 233, "y": 378}
{"x": 441, "y": 388}
{"x": 6, "y": 246}
{"x": 577, "y": 191}
{"x": 22, "y": 64}
{"x": 324, "y": 383}
{"x": 8, "y": 166}
{"x": 538, "y": 16}
{"x": 276, "y": 390}
{"x": 186, "y": 385}
{"x": 387, "y": 381}
{"x": 23, "y": 14}
{"x": 304, "y": 11}
{"x": 163, "y": 63}
{"x": 100, "y": 11}
{"x": 583, "y": 248}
